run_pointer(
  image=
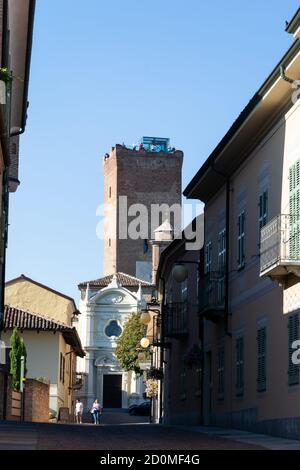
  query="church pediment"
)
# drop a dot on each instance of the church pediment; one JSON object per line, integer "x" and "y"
{"x": 114, "y": 296}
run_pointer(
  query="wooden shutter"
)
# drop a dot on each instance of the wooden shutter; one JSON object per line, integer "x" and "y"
{"x": 293, "y": 370}
{"x": 261, "y": 360}
{"x": 294, "y": 206}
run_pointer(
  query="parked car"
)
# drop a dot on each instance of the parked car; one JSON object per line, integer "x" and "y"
{"x": 143, "y": 409}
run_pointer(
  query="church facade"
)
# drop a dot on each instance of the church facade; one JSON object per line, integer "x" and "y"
{"x": 104, "y": 311}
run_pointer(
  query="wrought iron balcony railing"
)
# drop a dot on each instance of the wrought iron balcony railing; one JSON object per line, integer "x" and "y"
{"x": 280, "y": 247}
{"x": 212, "y": 295}
{"x": 176, "y": 319}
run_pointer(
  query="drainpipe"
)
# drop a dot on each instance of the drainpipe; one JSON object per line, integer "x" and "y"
{"x": 284, "y": 76}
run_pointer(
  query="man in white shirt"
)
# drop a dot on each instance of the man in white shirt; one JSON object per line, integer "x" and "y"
{"x": 78, "y": 411}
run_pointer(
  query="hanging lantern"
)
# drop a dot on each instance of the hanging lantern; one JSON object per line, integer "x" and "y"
{"x": 145, "y": 343}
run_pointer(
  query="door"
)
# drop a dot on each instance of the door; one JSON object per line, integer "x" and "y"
{"x": 112, "y": 391}
{"x": 207, "y": 389}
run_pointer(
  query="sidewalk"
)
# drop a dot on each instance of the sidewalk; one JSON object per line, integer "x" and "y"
{"x": 245, "y": 437}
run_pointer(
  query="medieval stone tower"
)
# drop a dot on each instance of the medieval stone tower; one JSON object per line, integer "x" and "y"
{"x": 147, "y": 174}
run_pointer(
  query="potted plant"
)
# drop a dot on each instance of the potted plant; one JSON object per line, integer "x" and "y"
{"x": 151, "y": 388}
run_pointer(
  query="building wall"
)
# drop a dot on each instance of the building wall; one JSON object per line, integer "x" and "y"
{"x": 26, "y": 295}
{"x": 182, "y": 386}
{"x": 254, "y": 301}
{"x": 43, "y": 360}
{"x": 145, "y": 178}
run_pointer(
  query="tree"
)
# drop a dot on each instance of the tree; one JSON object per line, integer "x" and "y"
{"x": 18, "y": 350}
{"x": 128, "y": 344}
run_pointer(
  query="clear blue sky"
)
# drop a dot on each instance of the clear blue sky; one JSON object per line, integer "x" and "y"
{"x": 104, "y": 72}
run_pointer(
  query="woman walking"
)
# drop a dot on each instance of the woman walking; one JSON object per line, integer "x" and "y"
{"x": 96, "y": 411}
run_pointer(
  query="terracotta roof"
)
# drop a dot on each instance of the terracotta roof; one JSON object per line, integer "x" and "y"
{"x": 124, "y": 279}
{"x": 24, "y": 320}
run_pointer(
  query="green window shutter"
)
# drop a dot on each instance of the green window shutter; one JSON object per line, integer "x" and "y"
{"x": 263, "y": 209}
{"x": 294, "y": 206}
{"x": 241, "y": 239}
{"x": 293, "y": 370}
{"x": 261, "y": 360}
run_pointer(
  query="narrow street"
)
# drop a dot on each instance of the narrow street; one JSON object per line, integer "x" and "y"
{"x": 109, "y": 437}
{"x": 118, "y": 431}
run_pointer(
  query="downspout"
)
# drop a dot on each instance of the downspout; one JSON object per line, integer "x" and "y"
{"x": 284, "y": 76}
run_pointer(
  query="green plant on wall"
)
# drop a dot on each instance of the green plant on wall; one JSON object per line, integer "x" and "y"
{"x": 5, "y": 75}
{"x": 18, "y": 350}
{"x": 128, "y": 344}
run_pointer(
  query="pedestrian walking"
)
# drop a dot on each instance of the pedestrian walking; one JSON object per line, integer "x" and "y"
{"x": 96, "y": 411}
{"x": 78, "y": 411}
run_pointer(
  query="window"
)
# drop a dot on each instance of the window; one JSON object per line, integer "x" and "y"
{"x": 208, "y": 257}
{"x": 261, "y": 360}
{"x": 184, "y": 291}
{"x": 113, "y": 329}
{"x": 239, "y": 346}
{"x": 263, "y": 209}
{"x": 109, "y": 242}
{"x": 109, "y": 192}
{"x": 221, "y": 372}
{"x": 241, "y": 240}
{"x": 293, "y": 370}
{"x": 222, "y": 250}
{"x": 62, "y": 368}
{"x": 222, "y": 265}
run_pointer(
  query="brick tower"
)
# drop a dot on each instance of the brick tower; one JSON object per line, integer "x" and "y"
{"x": 149, "y": 173}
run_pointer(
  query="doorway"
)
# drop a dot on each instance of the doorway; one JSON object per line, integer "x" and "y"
{"x": 112, "y": 391}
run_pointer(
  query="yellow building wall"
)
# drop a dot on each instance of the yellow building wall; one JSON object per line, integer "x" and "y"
{"x": 26, "y": 295}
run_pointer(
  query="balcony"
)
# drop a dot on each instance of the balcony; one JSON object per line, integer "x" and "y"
{"x": 77, "y": 381}
{"x": 176, "y": 319}
{"x": 212, "y": 296}
{"x": 280, "y": 248}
